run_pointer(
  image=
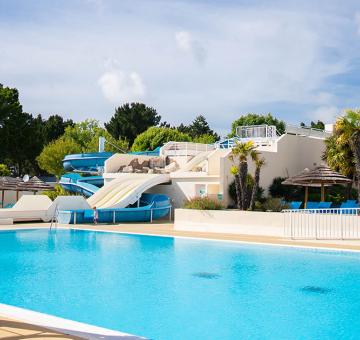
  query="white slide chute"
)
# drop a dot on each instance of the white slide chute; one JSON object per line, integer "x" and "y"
{"x": 125, "y": 190}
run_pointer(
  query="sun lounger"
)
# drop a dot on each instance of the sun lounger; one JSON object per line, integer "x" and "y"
{"x": 295, "y": 204}
{"x": 312, "y": 205}
{"x": 324, "y": 205}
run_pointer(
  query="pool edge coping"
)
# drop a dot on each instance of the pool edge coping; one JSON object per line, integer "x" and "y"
{"x": 62, "y": 325}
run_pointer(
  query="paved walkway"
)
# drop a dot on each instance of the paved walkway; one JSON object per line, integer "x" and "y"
{"x": 12, "y": 330}
{"x": 166, "y": 229}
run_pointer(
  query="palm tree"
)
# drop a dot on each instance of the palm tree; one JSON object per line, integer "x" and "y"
{"x": 348, "y": 130}
{"x": 259, "y": 163}
{"x": 239, "y": 154}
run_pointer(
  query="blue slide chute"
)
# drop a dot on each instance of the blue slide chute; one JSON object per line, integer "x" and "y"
{"x": 86, "y": 162}
{"x": 86, "y": 185}
{"x": 152, "y": 206}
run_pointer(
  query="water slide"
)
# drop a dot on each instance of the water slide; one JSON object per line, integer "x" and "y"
{"x": 125, "y": 190}
{"x": 86, "y": 162}
{"x": 86, "y": 186}
{"x": 151, "y": 207}
{"x": 193, "y": 163}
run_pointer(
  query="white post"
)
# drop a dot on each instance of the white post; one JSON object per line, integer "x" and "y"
{"x": 151, "y": 215}
{"x": 74, "y": 217}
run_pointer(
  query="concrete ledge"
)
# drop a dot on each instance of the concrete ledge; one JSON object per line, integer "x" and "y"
{"x": 6, "y": 221}
{"x": 79, "y": 329}
{"x": 230, "y": 221}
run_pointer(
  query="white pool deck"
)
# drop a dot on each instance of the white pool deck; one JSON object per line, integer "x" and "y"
{"x": 17, "y": 323}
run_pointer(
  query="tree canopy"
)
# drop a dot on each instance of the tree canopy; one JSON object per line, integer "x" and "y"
{"x": 257, "y": 119}
{"x": 198, "y": 128}
{"x": 80, "y": 138}
{"x": 343, "y": 147}
{"x": 157, "y": 136}
{"x": 315, "y": 125}
{"x": 4, "y": 170}
{"x": 22, "y": 136}
{"x": 130, "y": 120}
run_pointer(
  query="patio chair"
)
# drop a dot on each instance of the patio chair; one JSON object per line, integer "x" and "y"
{"x": 324, "y": 205}
{"x": 312, "y": 205}
{"x": 295, "y": 204}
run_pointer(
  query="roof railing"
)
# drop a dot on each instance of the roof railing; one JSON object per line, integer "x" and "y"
{"x": 306, "y": 131}
{"x": 184, "y": 148}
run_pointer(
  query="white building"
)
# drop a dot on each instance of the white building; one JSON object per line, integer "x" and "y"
{"x": 187, "y": 170}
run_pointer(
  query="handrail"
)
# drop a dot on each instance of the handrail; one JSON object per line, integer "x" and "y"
{"x": 54, "y": 218}
{"x": 184, "y": 148}
{"x": 306, "y": 131}
{"x": 330, "y": 223}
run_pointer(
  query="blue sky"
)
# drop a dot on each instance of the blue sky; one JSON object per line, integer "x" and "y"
{"x": 299, "y": 60}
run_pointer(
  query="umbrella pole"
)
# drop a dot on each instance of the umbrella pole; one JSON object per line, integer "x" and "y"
{"x": 322, "y": 192}
{"x": 17, "y": 195}
{"x": 2, "y": 198}
{"x": 306, "y": 196}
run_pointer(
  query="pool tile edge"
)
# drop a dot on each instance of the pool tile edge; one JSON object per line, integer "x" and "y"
{"x": 64, "y": 326}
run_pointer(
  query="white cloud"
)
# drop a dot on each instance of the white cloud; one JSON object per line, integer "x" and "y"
{"x": 327, "y": 114}
{"x": 119, "y": 86}
{"x": 254, "y": 58}
{"x": 187, "y": 43}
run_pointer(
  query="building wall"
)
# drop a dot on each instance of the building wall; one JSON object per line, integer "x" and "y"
{"x": 230, "y": 221}
{"x": 182, "y": 189}
{"x": 291, "y": 155}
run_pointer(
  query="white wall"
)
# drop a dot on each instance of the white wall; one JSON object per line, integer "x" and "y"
{"x": 230, "y": 221}
{"x": 182, "y": 189}
{"x": 294, "y": 153}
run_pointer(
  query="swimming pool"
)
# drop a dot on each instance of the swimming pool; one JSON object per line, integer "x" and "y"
{"x": 173, "y": 288}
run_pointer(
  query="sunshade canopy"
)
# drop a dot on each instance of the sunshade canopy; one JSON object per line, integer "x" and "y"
{"x": 320, "y": 176}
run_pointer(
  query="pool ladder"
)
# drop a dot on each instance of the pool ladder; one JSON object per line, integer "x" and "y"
{"x": 54, "y": 218}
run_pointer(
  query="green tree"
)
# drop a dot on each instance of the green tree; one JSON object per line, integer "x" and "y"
{"x": 4, "y": 170}
{"x": 259, "y": 163}
{"x": 239, "y": 155}
{"x": 257, "y": 119}
{"x": 315, "y": 125}
{"x": 158, "y": 136}
{"x": 52, "y": 155}
{"x": 198, "y": 128}
{"x": 54, "y": 127}
{"x": 347, "y": 132}
{"x": 204, "y": 139}
{"x": 9, "y": 103}
{"x": 81, "y": 138}
{"x": 130, "y": 120}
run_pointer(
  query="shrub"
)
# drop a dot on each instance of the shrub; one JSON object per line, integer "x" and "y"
{"x": 157, "y": 136}
{"x": 58, "y": 191}
{"x": 249, "y": 184}
{"x": 203, "y": 203}
{"x": 4, "y": 170}
{"x": 274, "y": 204}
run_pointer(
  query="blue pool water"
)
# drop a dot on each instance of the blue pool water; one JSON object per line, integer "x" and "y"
{"x": 166, "y": 288}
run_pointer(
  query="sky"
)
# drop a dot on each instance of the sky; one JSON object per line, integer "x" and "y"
{"x": 299, "y": 60}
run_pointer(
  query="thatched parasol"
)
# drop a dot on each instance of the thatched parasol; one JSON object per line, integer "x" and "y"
{"x": 6, "y": 184}
{"x": 34, "y": 184}
{"x": 320, "y": 176}
{"x": 16, "y": 184}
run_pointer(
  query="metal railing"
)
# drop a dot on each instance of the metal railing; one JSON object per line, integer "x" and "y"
{"x": 322, "y": 224}
{"x": 184, "y": 148}
{"x": 306, "y": 131}
{"x": 254, "y": 132}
